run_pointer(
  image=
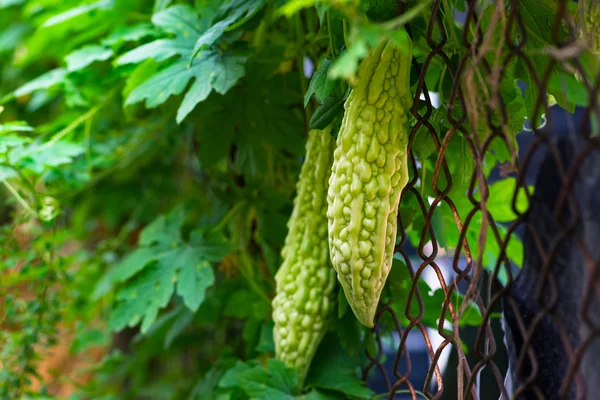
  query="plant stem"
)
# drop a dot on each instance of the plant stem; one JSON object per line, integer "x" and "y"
{"x": 88, "y": 151}
{"x": 406, "y": 16}
{"x": 26, "y": 182}
{"x": 83, "y": 118}
{"x": 246, "y": 270}
{"x": 20, "y": 199}
{"x": 332, "y": 44}
{"x": 345, "y": 28}
{"x": 300, "y": 64}
{"x": 228, "y": 216}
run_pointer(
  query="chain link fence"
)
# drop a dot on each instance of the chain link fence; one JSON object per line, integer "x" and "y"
{"x": 540, "y": 326}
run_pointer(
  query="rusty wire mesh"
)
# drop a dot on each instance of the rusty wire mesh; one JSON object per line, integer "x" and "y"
{"x": 467, "y": 269}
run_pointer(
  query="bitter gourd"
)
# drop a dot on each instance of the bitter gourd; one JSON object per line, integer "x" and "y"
{"x": 305, "y": 282}
{"x": 368, "y": 174}
{"x": 591, "y": 24}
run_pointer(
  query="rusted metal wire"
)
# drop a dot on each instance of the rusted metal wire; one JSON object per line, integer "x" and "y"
{"x": 475, "y": 96}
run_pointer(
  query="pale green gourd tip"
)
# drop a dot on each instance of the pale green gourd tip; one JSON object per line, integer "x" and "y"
{"x": 305, "y": 282}
{"x": 369, "y": 171}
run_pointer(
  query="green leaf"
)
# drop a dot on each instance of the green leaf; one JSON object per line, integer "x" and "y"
{"x": 266, "y": 342}
{"x": 232, "y": 14}
{"x": 380, "y": 10}
{"x": 37, "y": 157}
{"x": 362, "y": 39}
{"x": 193, "y": 282}
{"x": 531, "y": 92}
{"x": 10, "y": 3}
{"x": 230, "y": 378}
{"x": 398, "y": 288}
{"x": 11, "y": 36}
{"x": 516, "y": 111}
{"x": 77, "y": 11}
{"x": 331, "y": 108}
{"x": 332, "y": 368}
{"x": 348, "y": 329}
{"x": 140, "y": 74}
{"x": 514, "y": 250}
{"x": 130, "y": 265}
{"x": 129, "y": 34}
{"x": 85, "y": 56}
{"x": 423, "y": 145}
{"x": 538, "y": 17}
{"x": 158, "y": 50}
{"x": 207, "y": 387}
{"x": 320, "y": 85}
{"x": 164, "y": 265}
{"x": 242, "y": 304}
{"x": 277, "y": 382}
{"x": 160, "y": 5}
{"x": 256, "y": 114}
{"x": 573, "y": 91}
{"x": 347, "y": 64}
{"x": 212, "y": 35}
{"x": 342, "y": 304}
{"x": 292, "y": 7}
{"x": 243, "y": 10}
{"x": 45, "y": 81}
{"x": 180, "y": 21}
{"x": 7, "y": 142}
{"x": 143, "y": 297}
{"x": 73, "y": 94}
{"x": 322, "y": 395}
{"x": 212, "y": 245}
{"x": 14, "y": 126}
{"x": 88, "y": 338}
{"x": 212, "y": 71}
{"x": 499, "y": 202}
{"x": 164, "y": 229}
{"x": 182, "y": 320}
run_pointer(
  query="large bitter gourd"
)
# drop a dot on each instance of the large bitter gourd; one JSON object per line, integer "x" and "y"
{"x": 306, "y": 281}
{"x": 368, "y": 174}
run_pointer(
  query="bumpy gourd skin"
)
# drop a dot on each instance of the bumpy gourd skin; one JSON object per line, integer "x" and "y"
{"x": 368, "y": 174}
{"x": 306, "y": 281}
{"x": 591, "y": 20}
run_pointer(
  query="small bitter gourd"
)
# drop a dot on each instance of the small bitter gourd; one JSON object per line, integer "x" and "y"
{"x": 305, "y": 282}
{"x": 368, "y": 174}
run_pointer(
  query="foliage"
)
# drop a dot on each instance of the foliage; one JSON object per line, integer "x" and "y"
{"x": 149, "y": 152}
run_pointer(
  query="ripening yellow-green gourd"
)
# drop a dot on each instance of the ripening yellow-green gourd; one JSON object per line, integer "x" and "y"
{"x": 368, "y": 174}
